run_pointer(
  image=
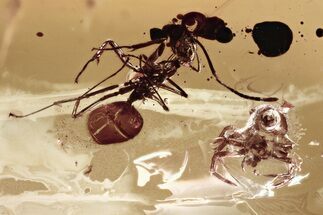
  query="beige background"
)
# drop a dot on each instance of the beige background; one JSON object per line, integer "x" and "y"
{"x": 43, "y": 158}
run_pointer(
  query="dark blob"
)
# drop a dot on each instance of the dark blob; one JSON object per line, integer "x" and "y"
{"x": 319, "y": 32}
{"x": 272, "y": 38}
{"x": 211, "y": 28}
{"x": 157, "y": 33}
{"x": 114, "y": 123}
{"x": 224, "y": 35}
{"x": 174, "y": 32}
{"x": 39, "y": 34}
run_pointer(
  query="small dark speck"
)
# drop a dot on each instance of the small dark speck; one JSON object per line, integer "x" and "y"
{"x": 40, "y": 34}
{"x": 208, "y": 79}
{"x": 234, "y": 70}
{"x": 144, "y": 33}
{"x": 302, "y": 35}
{"x": 220, "y": 52}
{"x": 234, "y": 34}
{"x": 184, "y": 82}
{"x": 248, "y": 30}
{"x": 250, "y": 52}
{"x": 76, "y": 163}
{"x": 302, "y": 22}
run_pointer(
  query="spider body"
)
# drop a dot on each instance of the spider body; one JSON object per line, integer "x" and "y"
{"x": 264, "y": 137}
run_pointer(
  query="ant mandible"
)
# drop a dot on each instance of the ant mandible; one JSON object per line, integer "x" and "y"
{"x": 182, "y": 37}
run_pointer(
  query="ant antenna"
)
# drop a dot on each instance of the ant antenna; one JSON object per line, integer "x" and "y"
{"x": 255, "y": 98}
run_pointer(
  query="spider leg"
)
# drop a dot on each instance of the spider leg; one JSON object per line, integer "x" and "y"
{"x": 281, "y": 179}
{"x": 293, "y": 167}
{"x": 96, "y": 57}
{"x": 255, "y": 98}
{"x": 217, "y": 159}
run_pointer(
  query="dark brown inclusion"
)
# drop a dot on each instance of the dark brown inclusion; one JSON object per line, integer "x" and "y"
{"x": 272, "y": 38}
{"x": 319, "y": 32}
{"x": 114, "y": 123}
{"x": 40, "y": 34}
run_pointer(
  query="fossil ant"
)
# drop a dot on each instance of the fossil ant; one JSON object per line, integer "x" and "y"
{"x": 183, "y": 41}
{"x": 152, "y": 74}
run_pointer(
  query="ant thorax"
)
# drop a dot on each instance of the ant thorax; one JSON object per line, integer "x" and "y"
{"x": 185, "y": 49}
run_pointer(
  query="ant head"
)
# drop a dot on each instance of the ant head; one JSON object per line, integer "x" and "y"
{"x": 173, "y": 31}
{"x": 157, "y": 33}
{"x": 211, "y": 28}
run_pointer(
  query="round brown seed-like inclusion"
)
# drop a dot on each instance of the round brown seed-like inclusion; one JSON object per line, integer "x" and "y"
{"x": 114, "y": 123}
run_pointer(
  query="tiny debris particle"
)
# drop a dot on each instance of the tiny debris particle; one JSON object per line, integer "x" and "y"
{"x": 40, "y": 34}
{"x": 314, "y": 143}
{"x": 88, "y": 170}
{"x": 248, "y": 30}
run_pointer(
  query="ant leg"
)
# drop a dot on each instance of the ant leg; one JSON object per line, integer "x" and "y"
{"x": 183, "y": 93}
{"x": 44, "y": 108}
{"x": 170, "y": 89}
{"x": 157, "y": 53}
{"x": 255, "y": 98}
{"x": 87, "y": 95}
{"x": 107, "y": 78}
{"x": 96, "y": 57}
{"x": 198, "y": 69}
{"x": 136, "y": 46}
{"x": 160, "y": 102}
{"x": 159, "y": 99}
{"x": 121, "y": 91}
{"x": 77, "y": 99}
